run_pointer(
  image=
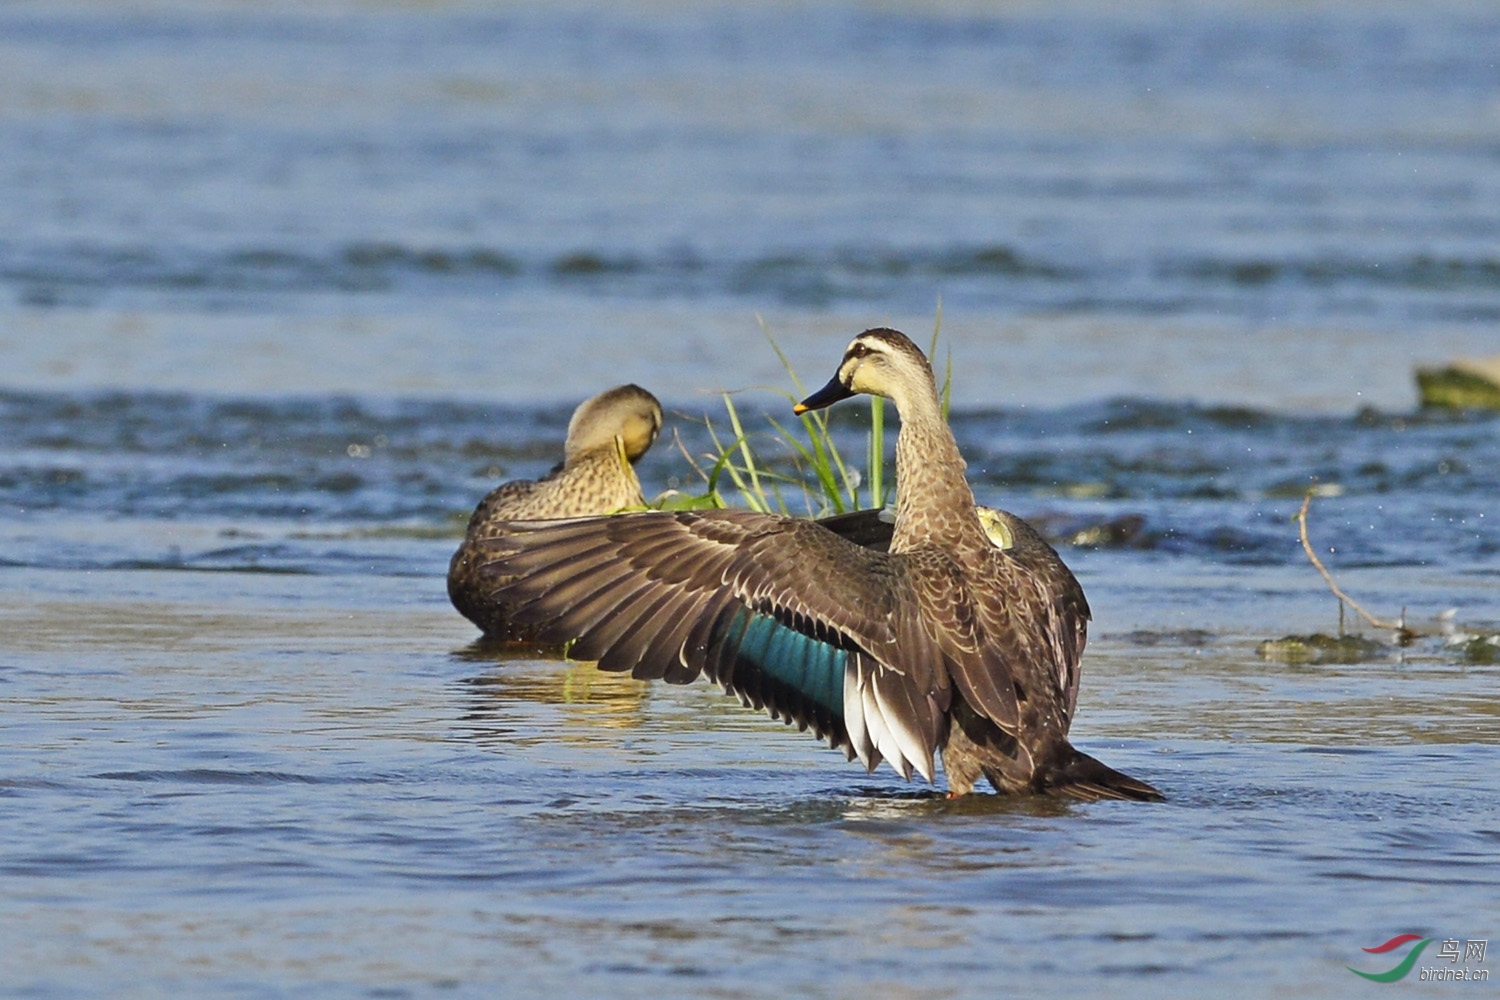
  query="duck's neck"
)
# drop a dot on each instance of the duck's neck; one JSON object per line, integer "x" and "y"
{"x": 933, "y": 499}
{"x": 606, "y": 475}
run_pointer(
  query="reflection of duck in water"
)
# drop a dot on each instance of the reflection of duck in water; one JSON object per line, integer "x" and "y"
{"x": 946, "y": 644}
{"x": 606, "y": 435}
{"x": 590, "y": 701}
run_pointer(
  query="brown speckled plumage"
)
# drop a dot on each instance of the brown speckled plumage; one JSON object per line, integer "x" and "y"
{"x": 950, "y": 643}
{"x": 605, "y": 436}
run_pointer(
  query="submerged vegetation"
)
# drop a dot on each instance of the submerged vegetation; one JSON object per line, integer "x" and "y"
{"x": 1321, "y": 648}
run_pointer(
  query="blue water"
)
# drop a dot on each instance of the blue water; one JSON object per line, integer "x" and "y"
{"x": 284, "y": 290}
{"x": 1233, "y": 202}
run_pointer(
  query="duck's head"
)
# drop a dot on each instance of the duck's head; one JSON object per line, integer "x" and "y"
{"x": 879, "y": 362}
{"x": 626, "y": 414}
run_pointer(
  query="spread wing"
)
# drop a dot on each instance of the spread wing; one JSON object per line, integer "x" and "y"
{"x": 786, "y": 614}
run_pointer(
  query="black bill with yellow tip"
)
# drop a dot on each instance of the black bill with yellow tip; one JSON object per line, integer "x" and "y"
{"x": 826, "y": 396}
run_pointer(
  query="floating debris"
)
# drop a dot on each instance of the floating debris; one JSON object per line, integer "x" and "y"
{"x": 1320, "y": 648}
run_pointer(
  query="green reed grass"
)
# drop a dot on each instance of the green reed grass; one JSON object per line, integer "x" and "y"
{"x": 810, "y": 466}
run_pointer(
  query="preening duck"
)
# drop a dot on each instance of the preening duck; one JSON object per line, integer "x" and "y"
{"x": 606, "y": 435}
{"x": 946, "y": 643}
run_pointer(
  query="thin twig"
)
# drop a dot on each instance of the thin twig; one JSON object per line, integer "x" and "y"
{"x": 1403, "y": 633}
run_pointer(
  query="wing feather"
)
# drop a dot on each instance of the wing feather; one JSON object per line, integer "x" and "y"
{"x": 655, "y": 593}
{"x": 611, "y": 614}
{"x": 632, "y": 635}
{"x": 905, "y": 720}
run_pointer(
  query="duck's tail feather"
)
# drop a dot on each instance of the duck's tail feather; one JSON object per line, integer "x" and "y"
{"x": 1079, "y": 776}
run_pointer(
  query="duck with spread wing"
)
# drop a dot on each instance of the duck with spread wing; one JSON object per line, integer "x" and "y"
{"x": 947, "y": 643}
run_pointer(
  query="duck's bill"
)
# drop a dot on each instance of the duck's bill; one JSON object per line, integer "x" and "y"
{"x": 826, "y": 396}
